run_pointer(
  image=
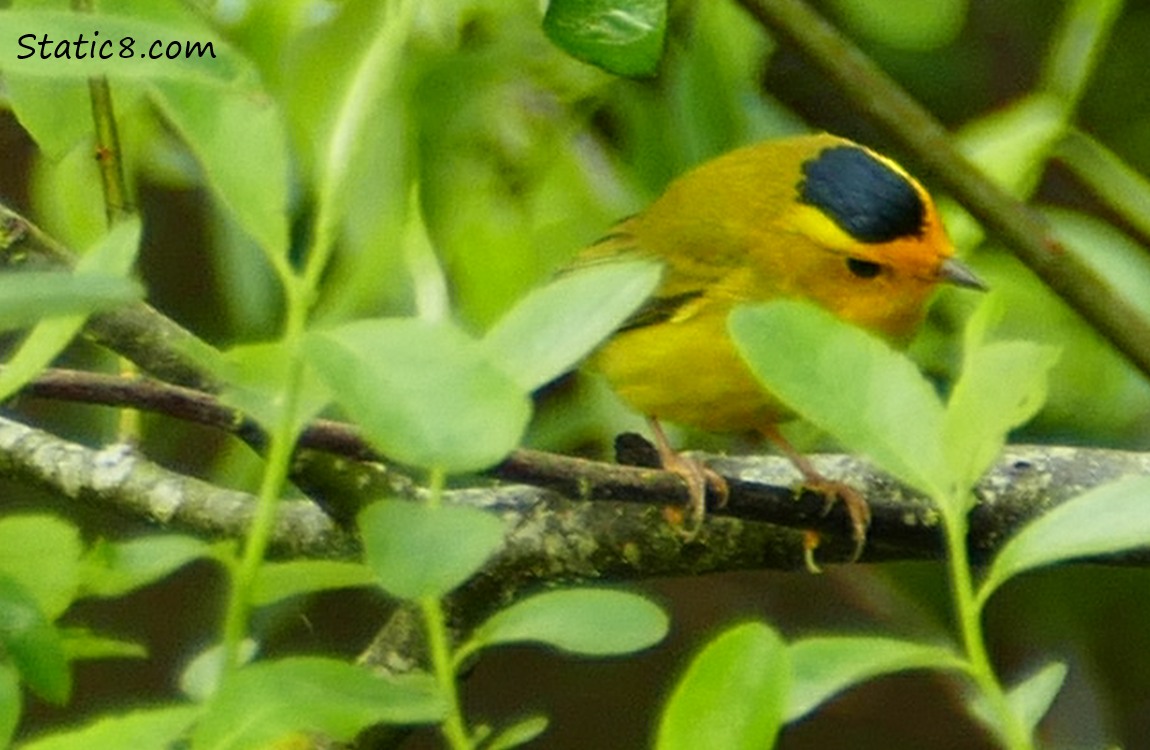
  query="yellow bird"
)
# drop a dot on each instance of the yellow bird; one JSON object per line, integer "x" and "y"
{"x": 815, "y": 217}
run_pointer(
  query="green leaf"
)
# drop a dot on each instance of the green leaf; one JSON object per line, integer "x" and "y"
{"x": 109, "y": 261}
{"x": 624, "y": 37}
{"x": 42, "y": 554}
{"x": 241, "y": 142}
{"x": 1002, "y": 385}
{"x": 41, "y": 103}
{"x": 267, "y": 701}
{"x": 201, "y": 677}
{"x": 111, "y": 569}
{"x": 11, "y": 703}
{"x": 519, "y": 733}
{"x": 732, "y": 695}
{"x": 591, "y": 622}
{"x": 825, "y": 666}
{"x": 423, "y": 392}
{"x": 1029, "y": 700}
{"x": 277, "y": 581}
{"x": 146, "y": 729}
{"x": 1032, "y": 697}
{"x": 222, "y": 66}
{"x": 32, "y": 643}
{"x": 26, "y": 298}
{"x": 849, "y": 384}
{"x": 1108, "y": 519}
{"x": 257, "y": 376}
{"x": 80, "y": 643}
{"x": 554, "y": 327}
{"x": 1083, "y": 37}
{"x": 421, "y": 551}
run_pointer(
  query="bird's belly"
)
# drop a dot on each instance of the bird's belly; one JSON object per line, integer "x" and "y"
{"x": 690, "y": 373}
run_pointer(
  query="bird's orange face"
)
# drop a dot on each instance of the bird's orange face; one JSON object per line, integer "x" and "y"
{"x": 813, "y": 217}
{"x": 869, "y": 244}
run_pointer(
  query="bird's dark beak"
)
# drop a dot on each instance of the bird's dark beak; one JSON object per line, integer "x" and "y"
{"x": 953, "y": 271}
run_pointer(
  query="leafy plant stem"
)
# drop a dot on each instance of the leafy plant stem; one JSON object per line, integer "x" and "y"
{"x": 454, "y": 727}
{"x": 969, "y": 615}
{"x": 378, "y": 69}
{"x": 280, "y": 448}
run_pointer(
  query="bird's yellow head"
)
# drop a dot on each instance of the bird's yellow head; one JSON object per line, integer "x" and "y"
{"x": 868, "y": 242}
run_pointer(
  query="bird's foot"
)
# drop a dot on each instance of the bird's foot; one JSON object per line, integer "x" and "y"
{"x": 698, "y": 477}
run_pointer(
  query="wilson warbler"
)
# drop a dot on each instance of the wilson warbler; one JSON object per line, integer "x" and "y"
{"x": 815, "y": 217}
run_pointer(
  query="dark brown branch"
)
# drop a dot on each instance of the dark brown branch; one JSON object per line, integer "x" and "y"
{"x": 557, "y": 537}
{"x": 884, "y": 103}
{"x": 573, "y": 477}
{"x": 1026, "y": 483}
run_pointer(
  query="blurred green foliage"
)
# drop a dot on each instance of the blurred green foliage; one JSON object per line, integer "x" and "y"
{"x": 493, "y": 157}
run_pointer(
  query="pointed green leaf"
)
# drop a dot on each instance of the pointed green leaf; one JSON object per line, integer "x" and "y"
{"x": 42, "y": 554}
{"x": 32, "y": 643}
{"x": 1032, "y": 697}
{"x": 732, "y": 695}
{"x": 592, "y": 622}
{"x": 825, "y": 666}
{"x": 109, "y": 261}
{"x": 849, "y": 384}
{"x": 554, "y": 327}
{"x": 1108, "y": 519}
{"x": 424, "y": 392}
{"x": 1029, "y": 701}
{"x": 40, "y": 103}
{"x": 1002, "y": 385}
{"x": 146, "y": 729}
{"x": 112, "y": 569}
{"x": 257, "y": 377}
{"x": 1082, "y": 37}
{"x": 80, "y": 643}
{"x": 201, "y": 677}
{"x": 268, "y": 701}
{"x": 421, "y": 551}
{"x": 277, "y": 581}
{"x": 26, "y": 298}
{"x": 519, "y": 733}
{"x": 624, "y": 37}
{"x": 241, "y": 142}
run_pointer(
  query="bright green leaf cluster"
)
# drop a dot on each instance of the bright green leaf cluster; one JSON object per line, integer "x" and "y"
{"x": 428, "y": 394}
{"x": 44, "y": 569}
{"x": 873, "y": 401}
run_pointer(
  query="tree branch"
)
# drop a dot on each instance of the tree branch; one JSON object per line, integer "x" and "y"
{"x": 601, "y": 517}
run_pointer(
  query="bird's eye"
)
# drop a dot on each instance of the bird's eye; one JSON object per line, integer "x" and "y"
{"x": 864, "y": 269}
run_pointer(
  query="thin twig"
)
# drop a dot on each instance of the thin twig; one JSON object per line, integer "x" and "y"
{"x": 108, "y": 154}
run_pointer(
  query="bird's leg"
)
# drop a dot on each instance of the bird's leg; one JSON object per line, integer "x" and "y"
{"x": 697, "y": 476}
{"x": 855, "y": 504}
